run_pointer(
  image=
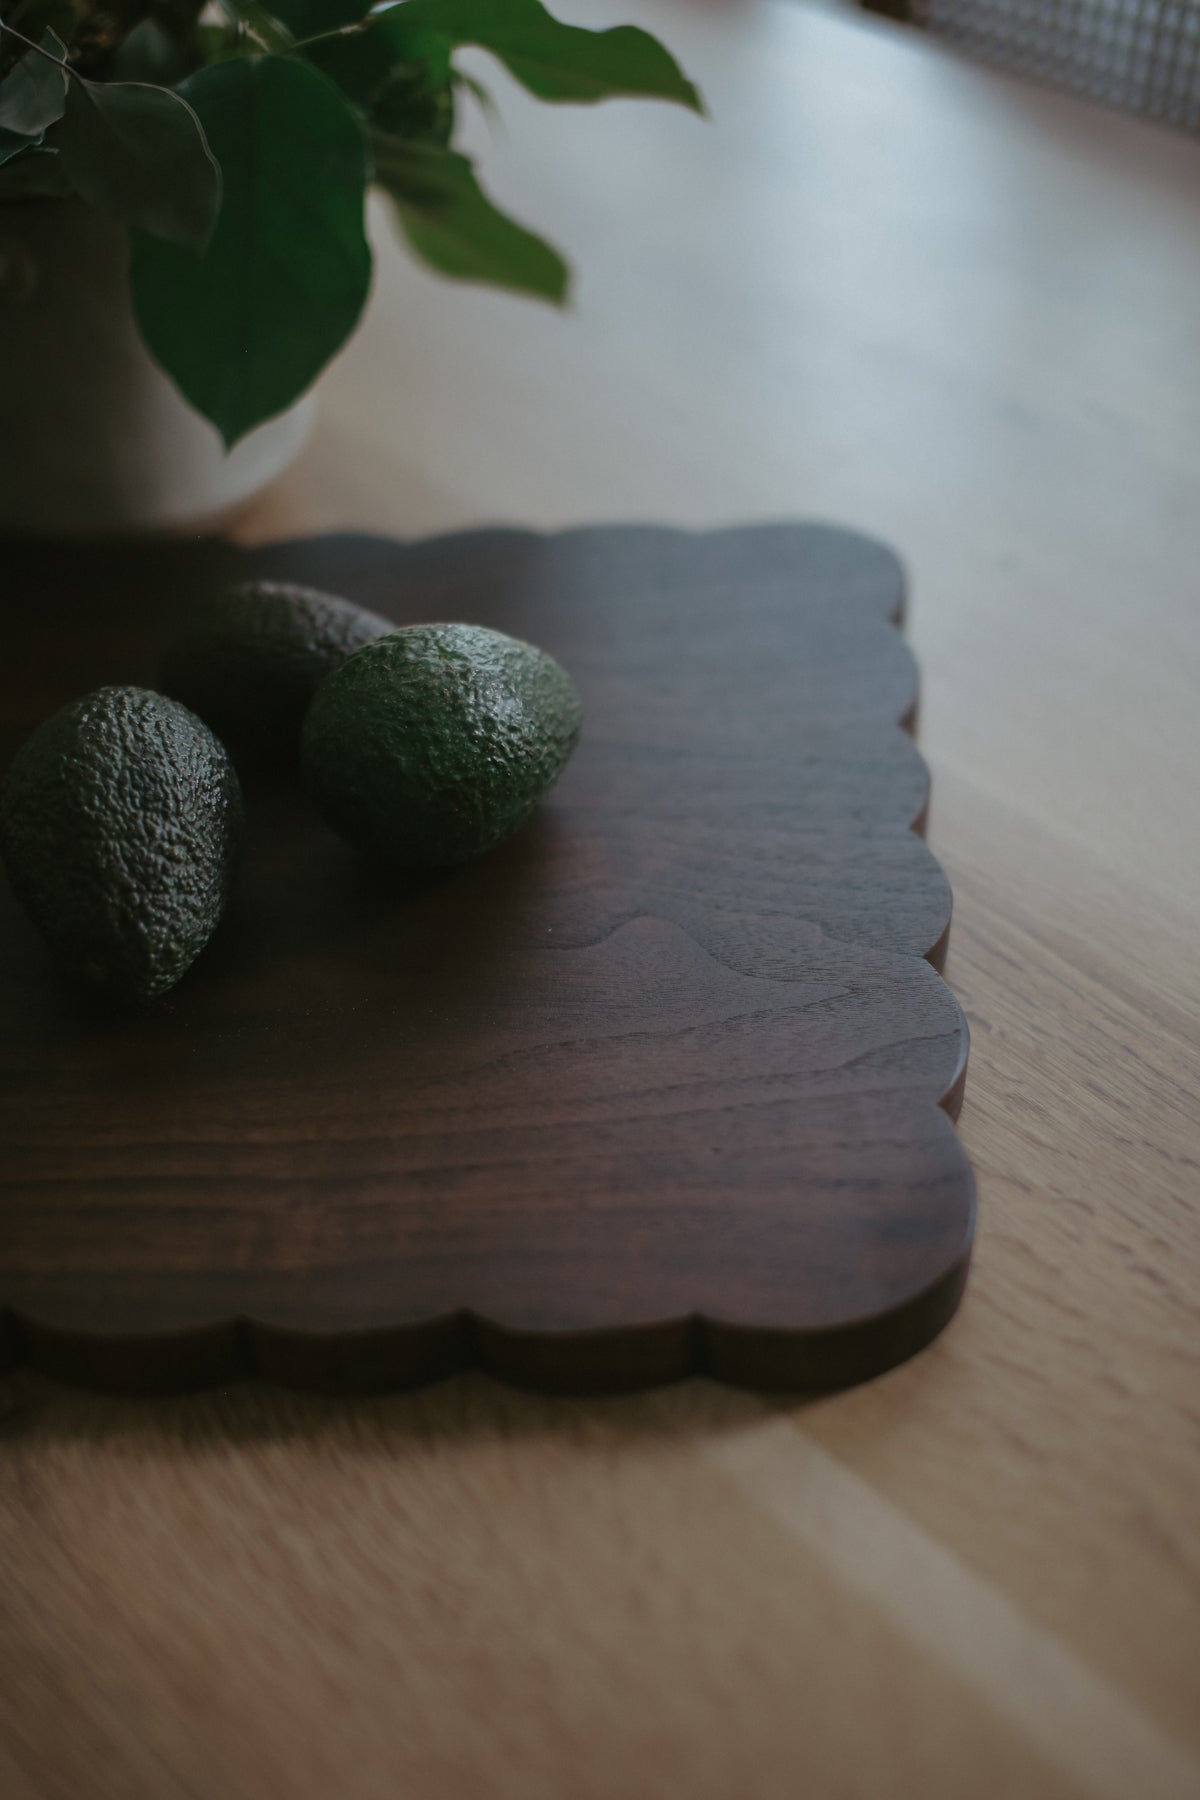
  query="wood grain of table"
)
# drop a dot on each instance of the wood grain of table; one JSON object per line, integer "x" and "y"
{"x": 884, "y": 288}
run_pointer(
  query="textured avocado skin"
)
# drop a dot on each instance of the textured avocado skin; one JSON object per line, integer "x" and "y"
{"x": 430, "y": 746}
{"x": 120, "y": 820}
{"x": 250, "y": 659}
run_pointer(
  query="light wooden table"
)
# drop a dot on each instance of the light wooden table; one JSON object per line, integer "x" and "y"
{"x": 888, "y": 289}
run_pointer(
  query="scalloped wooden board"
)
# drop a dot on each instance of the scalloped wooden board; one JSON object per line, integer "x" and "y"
{"x": 663, "y": 1085}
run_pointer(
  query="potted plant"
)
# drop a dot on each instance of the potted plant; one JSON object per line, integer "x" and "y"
{"x": 182, "y": 243}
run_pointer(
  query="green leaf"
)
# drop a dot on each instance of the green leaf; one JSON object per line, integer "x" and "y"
{"x": 479, "y": 94}
{"x": 32, "y": 18}
{"x": 401, "y": 77}
{"x": 13, "y": 142}
{"x": 307, "y": 18}
{"x": 140, "y": 153}
{"x": 245, "y": 331}
{"x": 150, "y": 54}
{"x": 554, "y": 61}
{"x": 451, "y": 223}
{"x": 217, "y": 42}
{"x": 364, "y": 62}
{"x": 34, "y": 92}
{"x": 37, "y": 175}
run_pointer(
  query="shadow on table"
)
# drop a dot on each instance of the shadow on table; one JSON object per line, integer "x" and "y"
{"x": 34, "y": 1408}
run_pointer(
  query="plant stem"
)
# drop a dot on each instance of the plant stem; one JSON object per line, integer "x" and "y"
{"x": 56, "y": 60}
{"x": 340, "y": 31}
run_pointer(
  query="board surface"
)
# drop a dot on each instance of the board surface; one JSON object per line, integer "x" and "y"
{"x": 663, "y": 1084}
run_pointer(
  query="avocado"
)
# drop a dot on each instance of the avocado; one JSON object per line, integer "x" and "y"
{"x": 119, "y": 822}
{"x": 249, "y": 660}
{"x": 429, "y": 746}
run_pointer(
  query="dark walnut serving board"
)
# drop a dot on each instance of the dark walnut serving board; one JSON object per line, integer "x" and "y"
{"x": 663, "y": 1085}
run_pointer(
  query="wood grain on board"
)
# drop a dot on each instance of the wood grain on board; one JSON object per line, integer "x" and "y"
{"x": 659, "y": 1086}
{"x": 883, "y": 286}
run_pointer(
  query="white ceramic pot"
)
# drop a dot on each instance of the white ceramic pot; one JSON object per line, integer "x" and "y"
{"x": 93, "y": 436}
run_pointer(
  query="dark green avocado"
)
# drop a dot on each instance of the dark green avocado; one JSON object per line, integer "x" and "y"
{"x": 431, "y": 745}
{"x": 250, "y": 659}
{"x": 119, "y": 822}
